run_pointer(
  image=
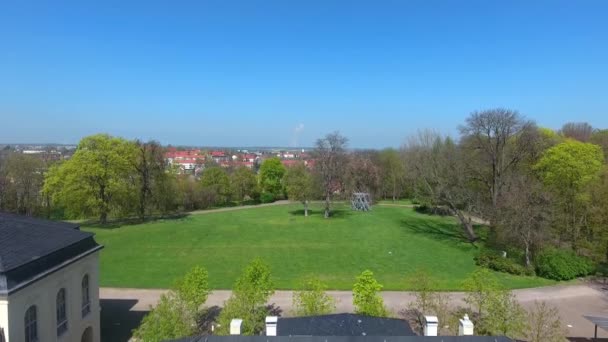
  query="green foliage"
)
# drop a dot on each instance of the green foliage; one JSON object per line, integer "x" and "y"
{"x": 271, "y": 176}
{"x": 267, "y": 197}
{"x": 504, "y": 316}
{"x": 392, "y": 170}
{"x": 312, "y": 299}
{"x": 559, "y": 264}
{"x": 250, "y": 294}
{"x": 570, "y": 166}
{"x": 193, "y": 288}
{"x": 493, "y": 261}
{"x": 95, "y": 180}
{"x": 298, "y": 183}
{"x": 216, "y": 184}
{"x": 544, "y": 324}
{"x": 176, "y": 313}
{"x": 480, "y": 286}
{"x": 244, "y": 184}
{"x": 423, "y": 286}
{"x": 366, "y": 299}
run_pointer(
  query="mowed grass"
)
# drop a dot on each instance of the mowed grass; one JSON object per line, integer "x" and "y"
{"x": 393, "y": 242}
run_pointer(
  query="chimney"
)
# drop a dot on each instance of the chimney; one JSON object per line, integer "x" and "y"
{"x": 235, "y": 326}
{"x": 466, "y": 327}
{"x": 271, "y": 325}
{"x": 430, "y": 325}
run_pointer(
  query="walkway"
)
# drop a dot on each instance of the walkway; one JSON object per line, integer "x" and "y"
{"x": 572, "y": 301}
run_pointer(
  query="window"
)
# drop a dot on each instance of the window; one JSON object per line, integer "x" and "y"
{"x": 86, "y": 300}
{"x": 31, "y": 328}
{"x": 62, "y": 317}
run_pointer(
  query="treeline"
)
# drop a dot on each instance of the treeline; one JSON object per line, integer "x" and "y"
{"x": 493, "y": 309}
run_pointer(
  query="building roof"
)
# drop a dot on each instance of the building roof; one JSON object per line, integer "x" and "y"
{"x": 343, "y": 324}
{"x": 241, "y": 338}
{"x": 30, "y": 248}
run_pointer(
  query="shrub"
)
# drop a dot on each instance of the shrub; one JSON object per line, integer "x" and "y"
{"x": 267, "y": 197}
{"x": 493, "y": 261}
{"x": 433, "y": 210}
{"x": 560, "y": 264}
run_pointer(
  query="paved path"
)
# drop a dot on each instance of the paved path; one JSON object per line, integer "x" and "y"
{"x": 240, "y": 207}
{"x": 572, "y": 301}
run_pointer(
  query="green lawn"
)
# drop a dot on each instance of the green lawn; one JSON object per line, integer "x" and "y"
{"x": 391, "y": 241}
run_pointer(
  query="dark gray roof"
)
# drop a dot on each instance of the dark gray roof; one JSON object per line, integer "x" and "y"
{"x": 601, "y": 322}
{"x": 345, "y": 339}
{"x": 29, "y": 247}
{"x": 343, "y": 324}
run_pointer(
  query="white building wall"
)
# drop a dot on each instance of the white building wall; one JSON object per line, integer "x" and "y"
{"x": 4, "y": 315}
{"x": 43, "y": 294}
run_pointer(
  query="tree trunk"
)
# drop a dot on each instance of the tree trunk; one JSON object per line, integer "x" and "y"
{"x": 527, "y": 256}
{"x": 327, "y": 199}
{"x": 103, "y": 217}
{"x": 466, "y": 225}
{"x": 306, "y": 208}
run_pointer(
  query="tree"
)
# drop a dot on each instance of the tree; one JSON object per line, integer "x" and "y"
{"x": 392, "y": 172}
{"x": 600, "y": 138}
{"x": 330, "y": 153}
{"x": 480, "y": 286}
{"x": 436, "y": 167}
{"x": 25, "y": 173}
{"x": 366, "y": 299}
{"x": 176, "y": 313}
{"x": 244, "y": 183}
{"x": 299, "y": 184}
{"x": 149, "y": 165}
{"x": 498, "y": 139}
{"x": 361, "y": 175}
{"x": 524, "y": 215}
{"x": 271, "y": 176}
{"x": 544, "y": 324}
{"x": 568, "y": 169}
{"x": 247, "y": 302}
{"x": 580, "y": 131}
{"x": 95, "y": 180}
{"x": 504, "y": 316}
{"x": 216, "y": 184}
{"x": 312, "y": 299}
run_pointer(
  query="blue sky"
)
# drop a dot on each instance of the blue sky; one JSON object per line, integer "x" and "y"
{"x": 249, "y": 72}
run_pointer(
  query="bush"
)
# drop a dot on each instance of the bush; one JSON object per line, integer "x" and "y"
{"x": 433, "y": 210}
{"x": 267, "y": 197}
{"x": 560, "y": 264}
{"x": 493, "y": 261}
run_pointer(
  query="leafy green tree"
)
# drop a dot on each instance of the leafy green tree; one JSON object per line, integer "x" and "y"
{"x": 247, "y": 302}
{"x": 568, "y": 169}
{"x": 299, "y": 184}
{"x": 244, "y": 183}
{"x": 216, "y": 183}
{"x": 271, "y": 176}
{"x": 366, "y": 299}
{"x": 96, "y": 180}
{"x": 600, "y": 138}
{"x": 312, "y": 299}
{"x": 25, "y": 173}
{"x": 480, "y": 286}
{"x": 151, "y": 178}
{"x": 176, "y": 313}
{"x": 544, "y": 324}
{"x": 392, "y": 172}
{"x": 504, "y": 316}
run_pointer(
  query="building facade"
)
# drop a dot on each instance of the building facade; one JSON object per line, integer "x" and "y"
{"x": 49, "y": 276}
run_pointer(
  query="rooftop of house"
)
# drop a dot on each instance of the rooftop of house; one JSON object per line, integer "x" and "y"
{"x": 31, "y": 248}
{"x": 343, "y": 324}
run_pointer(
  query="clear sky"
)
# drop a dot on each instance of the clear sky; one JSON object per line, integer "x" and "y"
{"x": 242, "y": 73}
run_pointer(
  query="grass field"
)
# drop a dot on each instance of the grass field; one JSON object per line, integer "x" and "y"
{"x": 391, "y": 241}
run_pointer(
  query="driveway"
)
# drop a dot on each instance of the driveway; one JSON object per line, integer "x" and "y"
{"x": 122, "y": 308}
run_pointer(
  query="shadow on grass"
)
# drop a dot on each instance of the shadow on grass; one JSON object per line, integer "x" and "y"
{"x": 335, "y": 213}
{"x": 117, "y": 223}
{"x": 450, "y": 233}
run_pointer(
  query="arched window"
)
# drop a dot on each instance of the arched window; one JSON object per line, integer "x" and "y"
{"x": 62, "y": 317}
{"x": 86, "y": 299}
{"x": 31, "y": 328}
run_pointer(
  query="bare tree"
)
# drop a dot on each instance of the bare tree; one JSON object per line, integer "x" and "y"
{"x": 580, "y": 131}
{"x": 438, "y": 173}
{"x": 330, "y": 154}
{"x": 149, "y": 166}
{"x": 500, "y": 139}
{"x": 361, "y": 175}
{"x": 544, "y": 324}
{"x": 524, "y": 215}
